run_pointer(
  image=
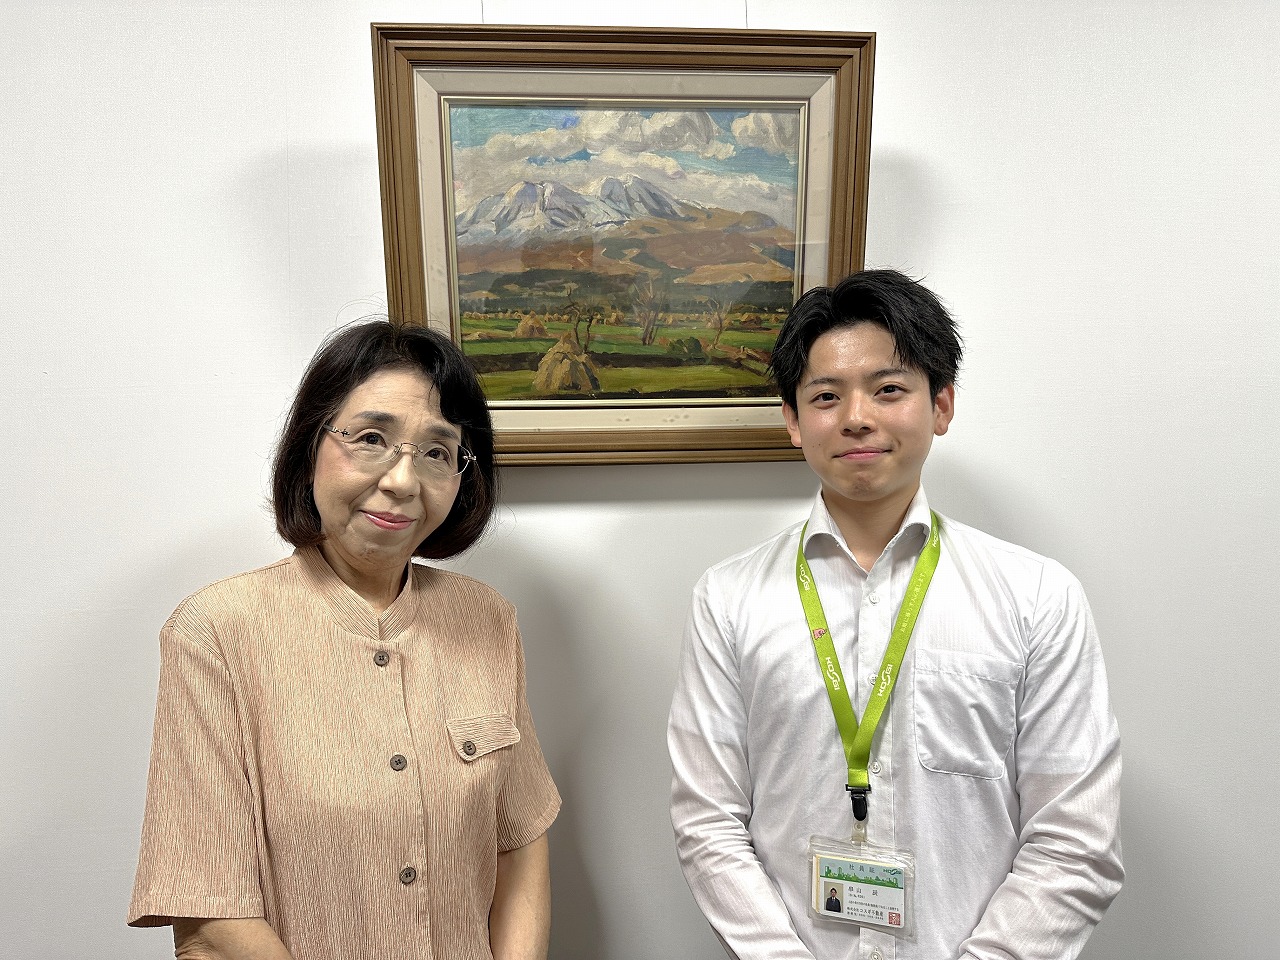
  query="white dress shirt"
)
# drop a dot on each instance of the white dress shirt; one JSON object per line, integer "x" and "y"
{"x": 997, "y": 763}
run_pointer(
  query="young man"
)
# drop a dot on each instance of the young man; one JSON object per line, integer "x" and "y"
{"x": 996, "y": 760}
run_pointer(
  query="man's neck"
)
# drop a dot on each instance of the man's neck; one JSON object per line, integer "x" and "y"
{"x": 867, "y": 528}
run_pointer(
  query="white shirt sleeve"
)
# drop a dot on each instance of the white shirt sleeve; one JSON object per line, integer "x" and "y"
{"x": 1068, "y": 869}
{"x": 711, "y": 792}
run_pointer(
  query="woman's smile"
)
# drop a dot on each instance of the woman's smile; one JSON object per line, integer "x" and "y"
{"x": 388, "y": 521}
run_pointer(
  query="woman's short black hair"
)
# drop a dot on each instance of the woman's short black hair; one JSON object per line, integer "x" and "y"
{"x": 924, "y": 334}
{"x": 347, "y": 359}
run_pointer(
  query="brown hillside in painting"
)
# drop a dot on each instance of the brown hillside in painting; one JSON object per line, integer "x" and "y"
{"x": 577, "y": 254}
{"x": 719, "y": 247}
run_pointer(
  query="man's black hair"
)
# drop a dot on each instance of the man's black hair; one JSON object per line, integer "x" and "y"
{"x": 924, "y": 335}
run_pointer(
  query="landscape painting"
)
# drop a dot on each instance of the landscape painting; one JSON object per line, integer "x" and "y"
{"x": 609, "y": 250}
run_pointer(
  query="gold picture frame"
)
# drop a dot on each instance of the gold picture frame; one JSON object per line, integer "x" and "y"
{"x": 721, "y": 115}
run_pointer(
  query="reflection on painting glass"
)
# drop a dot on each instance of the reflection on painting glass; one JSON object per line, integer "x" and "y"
{"x": 609, "y": 251}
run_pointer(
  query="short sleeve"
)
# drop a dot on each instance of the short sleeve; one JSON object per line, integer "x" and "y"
{"x": 198, "y": 854}
{"x": 528, "y": 801}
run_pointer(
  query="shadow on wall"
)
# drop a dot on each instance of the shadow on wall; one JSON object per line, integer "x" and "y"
{"x": 71, "y": 835}
{"x": 900, "y": 201}
{"x": 658, "y": 483}
{"x": 601, "y": 614}
{"x": 553, "y": 666}
{"x": 332, "y": 198}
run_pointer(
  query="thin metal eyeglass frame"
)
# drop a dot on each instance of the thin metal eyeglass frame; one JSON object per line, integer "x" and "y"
{"x": 465, "y": 456}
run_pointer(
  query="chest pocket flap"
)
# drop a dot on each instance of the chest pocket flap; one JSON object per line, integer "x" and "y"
{"x": 474, "y": 737}
{"x": 965, "y": 712}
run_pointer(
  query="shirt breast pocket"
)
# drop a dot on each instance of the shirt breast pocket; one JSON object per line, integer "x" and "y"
{"x": 478, "y": 737}
{"x": 965, "y": 712}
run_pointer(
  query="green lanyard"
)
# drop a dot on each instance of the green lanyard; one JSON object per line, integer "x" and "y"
{"x": 857, "y": 736}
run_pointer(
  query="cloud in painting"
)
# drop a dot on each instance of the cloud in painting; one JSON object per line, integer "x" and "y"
{"x": 614, "y": 143}
{"x": 772, "y": 132}
{"x": 596, "y": 130}
{"x": 670, "y": 131}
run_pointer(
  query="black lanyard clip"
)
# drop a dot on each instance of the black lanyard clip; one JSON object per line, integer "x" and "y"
{"x": 858, "y": 795}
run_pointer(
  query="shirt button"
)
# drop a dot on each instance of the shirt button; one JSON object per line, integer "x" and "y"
{"x": 875, "y": 766}
{"x": 876, "y": 955}
{"x": 382, "y": 658}
{"x": 398, "y": 762}
{"x": 469, "y": 748}
{"x": 874, "y": 598}
{"x": 408, "y": 875}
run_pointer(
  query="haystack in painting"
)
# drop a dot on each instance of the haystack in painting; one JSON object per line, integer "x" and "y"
{"x": 530, "y": 327}
{"x": 566, "y": 368}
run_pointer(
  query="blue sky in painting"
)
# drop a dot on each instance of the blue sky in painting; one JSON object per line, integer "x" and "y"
{"x": 583, "y": 154}
{"x": 474, "y": 124}
{"x": 767, "y": 166}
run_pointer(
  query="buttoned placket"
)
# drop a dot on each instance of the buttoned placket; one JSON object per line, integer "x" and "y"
{"x": 882, "y": 593}
{"x": 878, "y": 946}
{"x": 870, "y": 603}
{"x": 382, "y": 649}
{"x": 861, "y": 617}
{"x": 387, "y": 661}
{"x": 875, "y": 624}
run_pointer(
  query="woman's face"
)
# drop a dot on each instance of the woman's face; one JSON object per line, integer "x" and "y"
{"x": 374, "y": 516}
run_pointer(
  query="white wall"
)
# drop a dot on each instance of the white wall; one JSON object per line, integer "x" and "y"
{"x": 189, "y": 201}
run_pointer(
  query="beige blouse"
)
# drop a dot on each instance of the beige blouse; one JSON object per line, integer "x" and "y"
{"x": 350, "y": 778}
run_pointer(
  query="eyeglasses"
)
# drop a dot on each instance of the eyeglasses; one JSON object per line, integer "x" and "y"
{"x": 437, "y": 460}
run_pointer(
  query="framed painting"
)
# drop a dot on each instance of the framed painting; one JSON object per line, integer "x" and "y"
{"x": 613, "y": 223}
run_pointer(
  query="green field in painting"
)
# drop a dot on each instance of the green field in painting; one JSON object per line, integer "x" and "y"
{"x": 599, "y": 344}
{"x": 709, "y": 380}
{"x": 684, "y": 359}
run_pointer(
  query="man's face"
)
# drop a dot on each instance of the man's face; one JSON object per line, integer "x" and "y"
{"x": 864, "y": 421}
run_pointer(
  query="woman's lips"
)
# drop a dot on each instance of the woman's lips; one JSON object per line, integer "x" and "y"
{"x": 388, "y": 521}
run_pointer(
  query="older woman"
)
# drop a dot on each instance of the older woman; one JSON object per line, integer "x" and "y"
{"x": 344, "y": 766}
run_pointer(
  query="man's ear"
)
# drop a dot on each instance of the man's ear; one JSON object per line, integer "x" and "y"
{"x": 944, "y": 408}
{"x": 793, "y": 423}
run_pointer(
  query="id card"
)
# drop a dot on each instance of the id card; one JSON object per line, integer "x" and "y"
{"x": 861, "y": 884}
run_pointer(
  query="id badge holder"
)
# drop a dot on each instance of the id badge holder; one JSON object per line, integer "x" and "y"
{"x": 862, "y": 884}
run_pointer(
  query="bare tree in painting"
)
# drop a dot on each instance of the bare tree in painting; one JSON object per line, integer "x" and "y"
{"x": 578, "y": 312}
{"x": 718, "y": 314}
{"x": 650, "y": 302}
{"x": 721, "y": 304}
{"x": 586, "y": 344}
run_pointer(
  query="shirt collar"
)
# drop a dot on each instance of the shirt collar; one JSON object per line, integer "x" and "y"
{"x": 913, "y": 532}
{"x": 348, "y": 607}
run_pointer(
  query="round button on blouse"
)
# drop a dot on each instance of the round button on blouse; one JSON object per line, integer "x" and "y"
{"x": 469, "y": 748}
{"x": 398, "y": 762}
{"x": 875, "y": 766}
{"x": 382, "y": 658}
{"x": 408, "y": 875}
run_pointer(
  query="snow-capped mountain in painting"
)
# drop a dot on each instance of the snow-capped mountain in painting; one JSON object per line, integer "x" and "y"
{"x": 549, "y": 209}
